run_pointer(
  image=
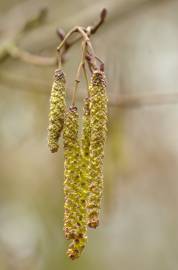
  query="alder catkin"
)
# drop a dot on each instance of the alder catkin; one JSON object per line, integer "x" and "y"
{"x": 57, "y": 109}
{"x": 75, "y": 217}
{"x": 76, "y": 247}
{"x": 98, "y": 126}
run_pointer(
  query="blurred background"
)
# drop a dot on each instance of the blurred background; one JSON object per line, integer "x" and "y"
{"x": 139, "y": 220}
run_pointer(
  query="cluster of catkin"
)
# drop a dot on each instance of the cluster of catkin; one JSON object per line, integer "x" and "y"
{"x": 83, "y": 156}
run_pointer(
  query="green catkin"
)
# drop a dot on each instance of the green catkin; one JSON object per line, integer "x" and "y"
{"x": 57, "y": 110}
{"x": 75, "y": 218}
{"x": 98, "y": 126}
{"x": 76, "y": 247}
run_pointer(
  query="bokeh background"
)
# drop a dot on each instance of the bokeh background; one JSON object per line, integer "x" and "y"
{"x": 139, "y": 221}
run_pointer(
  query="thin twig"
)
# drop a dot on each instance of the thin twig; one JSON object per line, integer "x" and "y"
{"x": 83, "y": 33}
{"x": 75, "y": 29}
{"x": 89, "y": 45}
{"x": 86, "y": 77}
{"x": 89, "y": 30}
{"x": 77, "y": 79}
{"x": 103, "y": 15}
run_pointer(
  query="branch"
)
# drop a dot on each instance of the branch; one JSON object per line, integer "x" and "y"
{"x": 90, "y": 31}
{"x": 29, "y": 58}
{"x": 135, "y": 101}
{"x": 8, "y": 46}
{"x": 121, "y": 101}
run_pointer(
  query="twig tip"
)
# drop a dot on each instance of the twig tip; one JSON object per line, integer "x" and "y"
{"x": 103, "y": 14}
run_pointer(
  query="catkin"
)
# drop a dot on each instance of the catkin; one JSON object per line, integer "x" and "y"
{"x": 57, "y": 109}
{"x": 98, "y": 126}
{"x": 75, "y": 218}
{"x": 76, "y": 247}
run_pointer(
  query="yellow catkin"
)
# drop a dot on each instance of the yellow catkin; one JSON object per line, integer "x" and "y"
{"x": 75, "y": 219}
{"x": 98, "y": 126}
{"x": 76, "y": 247}
{"x": 57, "y": 109}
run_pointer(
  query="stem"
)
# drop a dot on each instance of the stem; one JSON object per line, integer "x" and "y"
{"x": 86, "y": 77}
{"x": 89, "y": 30}
{"x": 89, "y": 45}
{"x": 65, "y": 44}
{"x": 86, "y": 39}
{"x": 66, "y": 37}
{"x": 77, "y": 79}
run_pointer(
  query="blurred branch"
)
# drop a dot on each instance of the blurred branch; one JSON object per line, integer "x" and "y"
{"x": 29, "y": 58}
{"x": 121, "y": 101}
{"x": 132, "y": 101}
{"x": 11, "y": 48}
{"x": 37, "y": 20}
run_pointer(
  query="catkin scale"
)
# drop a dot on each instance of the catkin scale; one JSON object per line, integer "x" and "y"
{"x": 76, "y": 247}
{"x": 57, "y": 109}
{"x": 98, "y": 129}
{"x": 75, "y": 217}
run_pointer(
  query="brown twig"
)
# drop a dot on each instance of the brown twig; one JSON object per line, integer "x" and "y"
{"x": 103, "y": 15}
{"x": 89, "y": 31}
{"x": 77, "y": 79}
{"x": 89, "y": 46}
{"x": 85, "y": 37}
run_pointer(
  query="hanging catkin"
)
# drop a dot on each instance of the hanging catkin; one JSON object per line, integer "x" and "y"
{"x": 76, "y": 247}
{"x": 57, "y": 109}
{"x": 98, "y": 125}
{"x": 75, "y": 218}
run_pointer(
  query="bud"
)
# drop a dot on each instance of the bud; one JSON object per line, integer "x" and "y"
{"x": 57, "y": 109}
